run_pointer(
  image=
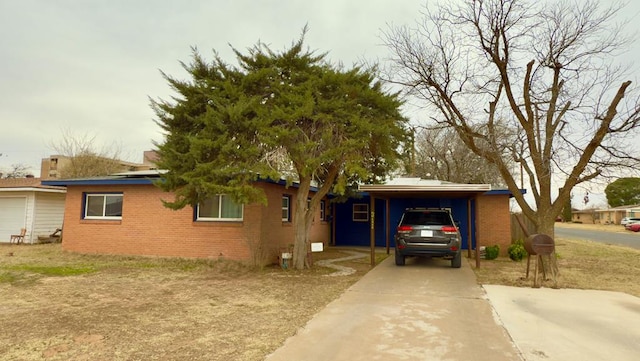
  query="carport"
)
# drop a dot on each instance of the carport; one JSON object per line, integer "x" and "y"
{"x": 401, "y": 193}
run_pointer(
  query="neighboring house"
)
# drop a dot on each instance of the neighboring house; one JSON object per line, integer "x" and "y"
{"x": 124, "y": 214}
{"x": 606, "y": 216}
{"x": 26, "y": 203}
{"x": 586, "y": 216}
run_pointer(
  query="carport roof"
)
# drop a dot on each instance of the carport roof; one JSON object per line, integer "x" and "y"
{"x": 412, "y": 187}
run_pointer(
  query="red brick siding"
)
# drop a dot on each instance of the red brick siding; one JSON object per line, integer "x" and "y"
{"x": 280, "y": 235}
{"x": 148, "y": 228}
{"x": 494, "y": 221}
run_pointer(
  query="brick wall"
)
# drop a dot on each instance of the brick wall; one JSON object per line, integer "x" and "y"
{"x": 148, "y": 228}
{"x": 494, "y": 221}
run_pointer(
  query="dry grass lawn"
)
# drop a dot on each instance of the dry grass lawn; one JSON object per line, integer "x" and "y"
{"x": 56, "y": 305}
{"x": 582, "y": 265}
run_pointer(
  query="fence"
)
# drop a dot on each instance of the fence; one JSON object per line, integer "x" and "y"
{"x": 516, "y": 230}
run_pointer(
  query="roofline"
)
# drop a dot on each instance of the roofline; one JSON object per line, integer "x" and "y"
{"x": 140, "y": 181}
{"x": 480, "y": 188}
{"x": 504, "y": 191}
{"x": 100, "y": 181}
{"x": 33, "y": 189}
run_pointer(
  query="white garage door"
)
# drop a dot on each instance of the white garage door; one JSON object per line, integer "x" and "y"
{"x": 12, "y": 216}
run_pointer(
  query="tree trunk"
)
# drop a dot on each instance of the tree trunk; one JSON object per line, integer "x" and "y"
{"x": 301, "y": 225}
{"x": 301, "y": 243}
{"x": 545, "y": 222}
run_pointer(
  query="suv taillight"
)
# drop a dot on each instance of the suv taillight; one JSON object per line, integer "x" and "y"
{"x": 404, "y": 229}
{"x": 449, "y": 230}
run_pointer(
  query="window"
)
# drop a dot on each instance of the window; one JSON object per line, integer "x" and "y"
{"x": 427, "y": 218}
{"x": 286, "y": 208}
{"x": 219, "y": 208}
{"x": 360, "y": 212}
{"x": 103, "y": 206}
{"x": 323, "y": 211}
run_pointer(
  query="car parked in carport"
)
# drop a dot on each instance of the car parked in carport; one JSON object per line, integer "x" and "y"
{"x": 429, "y": 232}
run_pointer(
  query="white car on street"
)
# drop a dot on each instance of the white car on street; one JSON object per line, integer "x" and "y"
{"x": 629, "y": 220}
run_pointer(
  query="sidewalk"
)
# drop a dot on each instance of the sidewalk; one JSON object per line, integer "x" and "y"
{"x": 568, "y": 324}
{"x": 423, "y": 311}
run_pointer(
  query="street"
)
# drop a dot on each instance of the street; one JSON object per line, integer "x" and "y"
{"x": 629, "y": 239}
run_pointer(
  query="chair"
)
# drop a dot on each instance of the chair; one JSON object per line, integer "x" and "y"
{"x": 18, "y": 238}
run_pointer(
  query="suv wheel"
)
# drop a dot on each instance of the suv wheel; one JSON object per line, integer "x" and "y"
{"x": 456, "y": 261}
{"x": 399, "y": 259}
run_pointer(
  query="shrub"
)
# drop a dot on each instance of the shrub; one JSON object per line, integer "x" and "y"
{"x": 492, "y": 252}
{"x": 516, "y": 250}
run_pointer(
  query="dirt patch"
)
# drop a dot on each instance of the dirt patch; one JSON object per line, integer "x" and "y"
{"x": 127, "y": 308}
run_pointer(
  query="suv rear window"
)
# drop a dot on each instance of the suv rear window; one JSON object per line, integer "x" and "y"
{"x": 426, "y": 218}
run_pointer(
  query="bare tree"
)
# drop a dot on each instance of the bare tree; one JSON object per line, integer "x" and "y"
{"x": 16, "y": 171}
{"x": 82, "y": 158}
{"x": 546, "y": 70}
{"x": 440, "y": 154}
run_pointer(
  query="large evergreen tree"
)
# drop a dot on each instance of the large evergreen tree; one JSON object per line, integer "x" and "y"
{"x": 623, "y": 192}
{"x": 323, "y": 124}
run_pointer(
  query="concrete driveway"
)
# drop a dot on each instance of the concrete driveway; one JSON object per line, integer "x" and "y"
{"x": 429, "y": 311}
{"x": 425, "y": 310}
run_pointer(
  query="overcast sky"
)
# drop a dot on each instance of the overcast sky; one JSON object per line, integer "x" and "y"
{"x": 91, "y": 65}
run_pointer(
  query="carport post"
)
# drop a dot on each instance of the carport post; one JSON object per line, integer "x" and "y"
{"x": 476, "y": 234}
{"x": 372, "y": 234}
{"x": 388, "y": 222}
{"x": 469, "y": 240}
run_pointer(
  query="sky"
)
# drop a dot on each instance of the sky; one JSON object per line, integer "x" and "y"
{"x": 91, "y": 66}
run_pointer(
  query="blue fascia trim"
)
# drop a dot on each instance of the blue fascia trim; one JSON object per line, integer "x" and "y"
{"x": 496, "y": 192}
{"x": 283, "y": 182}
{"x": 129, "y": 181}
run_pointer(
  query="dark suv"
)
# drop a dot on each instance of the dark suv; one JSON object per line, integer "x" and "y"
{"x": 428, "y": 232}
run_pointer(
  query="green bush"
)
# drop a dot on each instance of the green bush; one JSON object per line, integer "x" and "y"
{"x": 516, "y": 250}
{"x": 491, "y": 252}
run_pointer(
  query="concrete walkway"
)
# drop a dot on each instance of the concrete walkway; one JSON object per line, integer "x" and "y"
{"x": 569, "y": 325}
{"x": 423, "y": 311}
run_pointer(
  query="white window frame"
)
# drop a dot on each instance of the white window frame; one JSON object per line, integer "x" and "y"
{"x": 360, "y": 209}
{"x": 323, "y": 210}
{"x": 220, "y": 219}
{"x": 287, "y": 208}
{"x": 104, "y": 205}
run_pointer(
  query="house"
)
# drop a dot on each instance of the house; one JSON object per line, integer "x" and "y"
{"x": 605, "y": 216}
{"x": 124, "y": 214}
{"x": 482, "y": 214}
{"x": 26, "y": 203}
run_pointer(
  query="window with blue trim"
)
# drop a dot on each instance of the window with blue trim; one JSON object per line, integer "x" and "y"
{"x": 103, "y": 206}
{"x": 219, "y": 208}
{"x": 323, "y": 211}
{"x": 286, "y": 208}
